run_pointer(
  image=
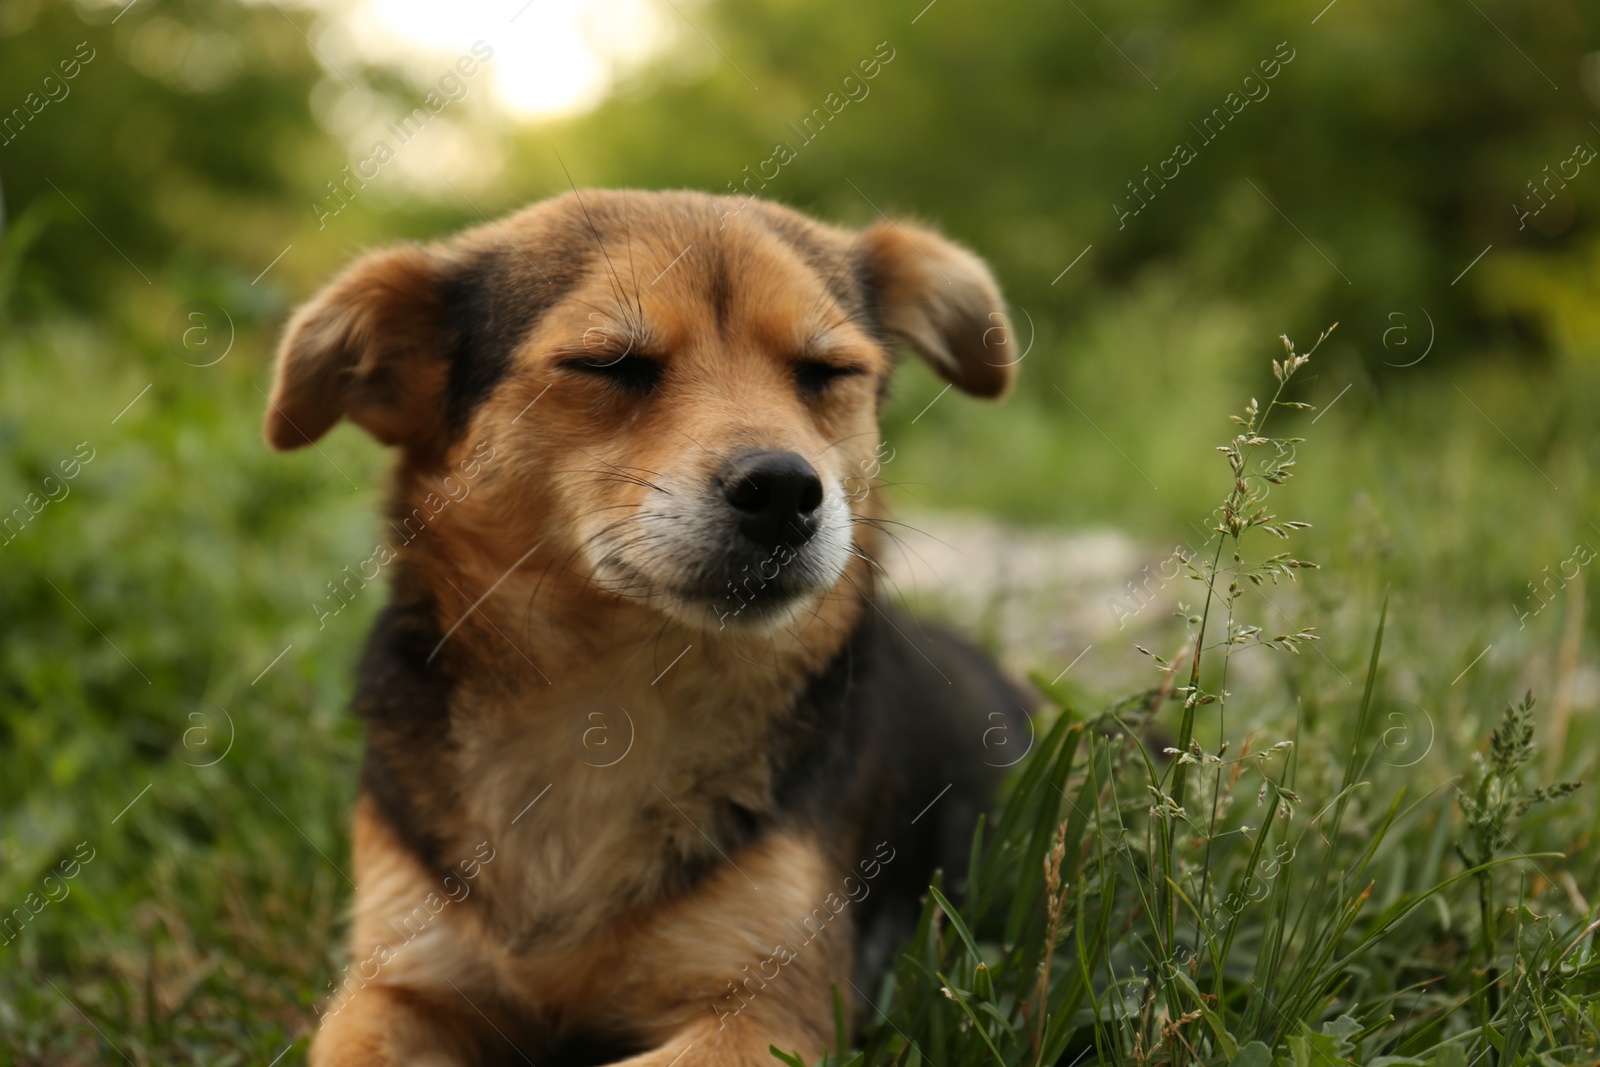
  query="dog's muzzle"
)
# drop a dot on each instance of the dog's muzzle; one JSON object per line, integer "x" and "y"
{"x": 776, "y": 496}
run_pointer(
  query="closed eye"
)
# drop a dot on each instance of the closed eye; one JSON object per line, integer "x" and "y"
{"x": 635, "y": 375}
{"x": 813, "y": 376}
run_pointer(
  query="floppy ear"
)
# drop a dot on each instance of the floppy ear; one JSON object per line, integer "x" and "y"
{"x": 942, "y": 301}
{"x": 372, "y": 346}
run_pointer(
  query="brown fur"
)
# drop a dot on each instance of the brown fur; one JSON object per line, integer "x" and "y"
{"x": 608, "y": 907}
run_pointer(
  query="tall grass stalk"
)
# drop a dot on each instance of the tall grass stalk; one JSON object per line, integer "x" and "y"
{"x": 1129, "y": 905}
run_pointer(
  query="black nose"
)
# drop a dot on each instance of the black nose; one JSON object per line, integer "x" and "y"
{"x": 775, "y": 495}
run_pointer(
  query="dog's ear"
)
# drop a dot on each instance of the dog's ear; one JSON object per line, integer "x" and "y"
{"x": 942, "y": 301}
{"x": 373, "y": 346}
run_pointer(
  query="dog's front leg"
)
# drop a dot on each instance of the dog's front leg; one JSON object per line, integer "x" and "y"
{"x": 383, "y": 1025}
{"x": 748, "y": 962}
{"x": 417, "y": 991}
{"x": 746, "y": 1042}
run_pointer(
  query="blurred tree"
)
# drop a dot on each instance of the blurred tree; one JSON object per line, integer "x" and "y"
{"x": 1339, "y": 162}
{"x": 175, "y": 144}
{"x": 1346, "y": 161}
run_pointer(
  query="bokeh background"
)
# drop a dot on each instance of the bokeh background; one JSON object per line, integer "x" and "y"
{"x": 1163, "y": 187}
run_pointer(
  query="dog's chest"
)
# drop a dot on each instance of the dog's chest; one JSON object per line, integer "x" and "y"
{"x": 600, "y": 799}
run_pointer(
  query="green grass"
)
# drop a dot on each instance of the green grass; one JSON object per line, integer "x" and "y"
{"x": 1292, "y": 879}
{"x": 143, "y": 606}
{"x": 1371, "y": 890}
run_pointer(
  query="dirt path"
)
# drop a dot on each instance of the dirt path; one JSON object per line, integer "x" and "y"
{"x": 1039, "y": 597}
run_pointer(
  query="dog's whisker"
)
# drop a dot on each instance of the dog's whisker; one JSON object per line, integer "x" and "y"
{"x": 609, "y": 464}
{"x": 848, "y": 437}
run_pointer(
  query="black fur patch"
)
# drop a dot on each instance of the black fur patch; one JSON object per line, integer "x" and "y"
{"x": 494, "y": 298}
{"x": 887, "y": 748}
{"x": 721, "y": 288}
{"x": 405, "y": 702}
{"x": 870, "y": 286}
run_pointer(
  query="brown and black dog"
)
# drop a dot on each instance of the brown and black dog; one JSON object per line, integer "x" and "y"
{"x": 650, "y": 768}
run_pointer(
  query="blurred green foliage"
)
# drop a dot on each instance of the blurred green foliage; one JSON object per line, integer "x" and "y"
{"x": 1387, "y": 151}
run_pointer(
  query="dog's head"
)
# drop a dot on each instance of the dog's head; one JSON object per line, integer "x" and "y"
{"x": 679, "y": 393}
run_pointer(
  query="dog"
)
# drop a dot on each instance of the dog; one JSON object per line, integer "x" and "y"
{"x": 652, "y": 766}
